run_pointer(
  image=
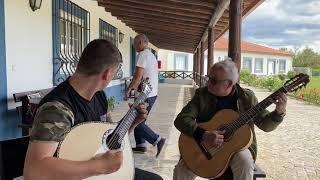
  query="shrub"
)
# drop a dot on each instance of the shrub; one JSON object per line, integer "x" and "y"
{"x": 316, "y": 72}
{"x": 282, "y": 77}
{"x": 111, "y": 102}
{"x": 291, "y": 74}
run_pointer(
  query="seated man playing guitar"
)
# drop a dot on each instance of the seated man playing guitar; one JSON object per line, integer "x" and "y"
{"x": 223, "y": 92}
{"x": 78, "y": 99}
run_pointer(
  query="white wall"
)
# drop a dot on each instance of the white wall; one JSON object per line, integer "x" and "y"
{"x": 29, "y": 43}
{"x": 222, "y": 54}
{"x": 97, "y": 12}
{"x": 28, "y": 46}
{"x": 167, "y": 59}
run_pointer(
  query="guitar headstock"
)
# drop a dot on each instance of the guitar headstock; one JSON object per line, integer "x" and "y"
{"x": 146, "y": 87}
{"x": 297, "y": 82}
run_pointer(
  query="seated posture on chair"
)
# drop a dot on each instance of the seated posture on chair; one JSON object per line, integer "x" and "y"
{"x": 78, "y": 99}
{"x": 223, "y": 92}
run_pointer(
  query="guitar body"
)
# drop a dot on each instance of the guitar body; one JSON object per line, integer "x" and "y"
{"x": 84, "y": 141}
{"x": 195, "y": 159}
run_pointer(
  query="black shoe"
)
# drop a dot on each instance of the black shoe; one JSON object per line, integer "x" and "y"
{"x": 160, "y": 146}
{"x": 140, "y": 150}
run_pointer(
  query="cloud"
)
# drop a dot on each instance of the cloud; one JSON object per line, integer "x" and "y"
{"x": 279, "y": 23}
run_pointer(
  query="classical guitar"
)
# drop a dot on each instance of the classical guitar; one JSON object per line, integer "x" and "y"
{"x": 212, "y": 162}
{"x": 86, "y": 140}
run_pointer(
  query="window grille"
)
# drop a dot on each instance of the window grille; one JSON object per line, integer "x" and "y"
{"x": 71, "y": 33}
{"x": 108, "y": 32}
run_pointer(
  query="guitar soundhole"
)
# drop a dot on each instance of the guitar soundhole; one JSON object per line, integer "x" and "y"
{"x": 228, "y": 134}
{"x": 114, "y": 142}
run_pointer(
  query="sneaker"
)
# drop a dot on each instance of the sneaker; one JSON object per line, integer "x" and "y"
{"x": 140, "y": 150}
{"x": 160, "y": 146}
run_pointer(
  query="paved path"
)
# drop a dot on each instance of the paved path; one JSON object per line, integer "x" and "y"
{"x": 292, "y": 151}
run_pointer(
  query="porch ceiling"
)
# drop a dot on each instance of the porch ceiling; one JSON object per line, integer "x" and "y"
{"x": 175, "y": 24}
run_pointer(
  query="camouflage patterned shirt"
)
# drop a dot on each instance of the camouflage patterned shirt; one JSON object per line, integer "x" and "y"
{"x": 52, "y": 121}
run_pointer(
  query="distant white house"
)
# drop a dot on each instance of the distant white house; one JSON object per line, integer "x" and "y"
{"x": 259, "y": 60}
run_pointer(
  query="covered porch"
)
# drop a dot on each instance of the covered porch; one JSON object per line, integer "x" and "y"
{"x": 289, "y": 152}
{"x": 186, "y": 26}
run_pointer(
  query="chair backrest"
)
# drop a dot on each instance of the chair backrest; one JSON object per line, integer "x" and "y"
{"x": 29, "y": 103}
{"x": 12, "y": 155}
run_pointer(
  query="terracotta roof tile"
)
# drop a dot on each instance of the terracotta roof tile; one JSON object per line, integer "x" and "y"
{"x": 222, "y": 43}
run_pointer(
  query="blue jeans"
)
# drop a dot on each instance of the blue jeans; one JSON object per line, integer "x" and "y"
{"x": 142, "y": 132}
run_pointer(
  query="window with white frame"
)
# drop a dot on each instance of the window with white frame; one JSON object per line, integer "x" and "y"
{"x": 247, "y": 63}
{"x": 71, "y": 33}
{"x": 258, "y": 65}
{"x": 282, "y": 66}
{"x": 180, "y": 62}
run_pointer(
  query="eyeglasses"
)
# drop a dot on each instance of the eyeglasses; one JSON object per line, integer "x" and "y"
{"x": 213, "y": 80}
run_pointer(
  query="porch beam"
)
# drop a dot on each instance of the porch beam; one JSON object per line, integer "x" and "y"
{"x": 155, "y": 15}
{"x": 218, "y": 12}
{"x": 114, "y": 5}
{"x": 132, "y": 16}
{"x": 157, "y": 28}
{"x": 234, "y": 50}
{"x": 123, "y": 15}
{"x": 165, "y": 40}
{"x": 194, "y": 3}
{"x": 161, "y": 22}
{"x": 210, "y": 48}
{"x": 171, "y": 36}
{"x": 162, "y": 25}
{"x": 177, "y": 48}
{"x": 167, "y": 43}
{"x": 171, "y": 43}
{"x": 172, "y": 5}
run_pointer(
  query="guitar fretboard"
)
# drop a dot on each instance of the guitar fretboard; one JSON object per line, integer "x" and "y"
{"x": 126, "y": 122}
{"x": 254, "y": 111}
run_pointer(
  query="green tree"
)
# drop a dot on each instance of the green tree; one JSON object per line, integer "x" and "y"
{"x": 306, "y": 58}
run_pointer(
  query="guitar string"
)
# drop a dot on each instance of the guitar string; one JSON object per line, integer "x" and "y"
{"x": 113, "y": 140}
{"x": 251, "y": 113}
{"x": 131, "y": 115}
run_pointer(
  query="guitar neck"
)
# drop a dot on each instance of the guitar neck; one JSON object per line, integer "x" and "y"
{"x": 125, "y": 123}
{"x": 254, "y": 111}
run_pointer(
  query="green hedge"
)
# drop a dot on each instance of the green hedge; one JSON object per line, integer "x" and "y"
{"x": 273, "y": 83}
{"x": 316, "y": 72}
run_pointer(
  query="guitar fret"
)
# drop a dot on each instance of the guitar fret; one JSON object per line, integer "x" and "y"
{"x": 126, "y": 122}
{"x": 254, "y": 111}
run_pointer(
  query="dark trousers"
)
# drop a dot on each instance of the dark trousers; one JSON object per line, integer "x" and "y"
{"x": 142, "y": 132}
{"x": 145, "y": 175}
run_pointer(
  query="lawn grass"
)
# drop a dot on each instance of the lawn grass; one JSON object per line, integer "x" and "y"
{"x": 314, "y": 83}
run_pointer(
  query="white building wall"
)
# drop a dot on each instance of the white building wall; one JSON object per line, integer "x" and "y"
{"x": 222, "y": 54}
{"x": 29, "y": 43}
{"x": 167, "y": 59}
{"x": 28, "y": 46}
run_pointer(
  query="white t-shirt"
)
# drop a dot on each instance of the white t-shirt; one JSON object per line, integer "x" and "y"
{"x": 148, "y": 61}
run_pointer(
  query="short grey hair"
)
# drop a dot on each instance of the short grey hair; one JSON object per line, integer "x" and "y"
{"x": 230, "y": 69}
{"x": 143, "y": 38}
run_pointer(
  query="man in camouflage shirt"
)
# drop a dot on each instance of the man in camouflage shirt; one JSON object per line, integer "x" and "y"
{"x": 78, "y": 99}
{"x": 223, "y": 92}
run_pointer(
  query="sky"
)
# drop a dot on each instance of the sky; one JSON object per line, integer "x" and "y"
{"x": 284, "y": 23}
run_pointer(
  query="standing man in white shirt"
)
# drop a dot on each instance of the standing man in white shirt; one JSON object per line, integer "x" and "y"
{"x": 146, "y": 67}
